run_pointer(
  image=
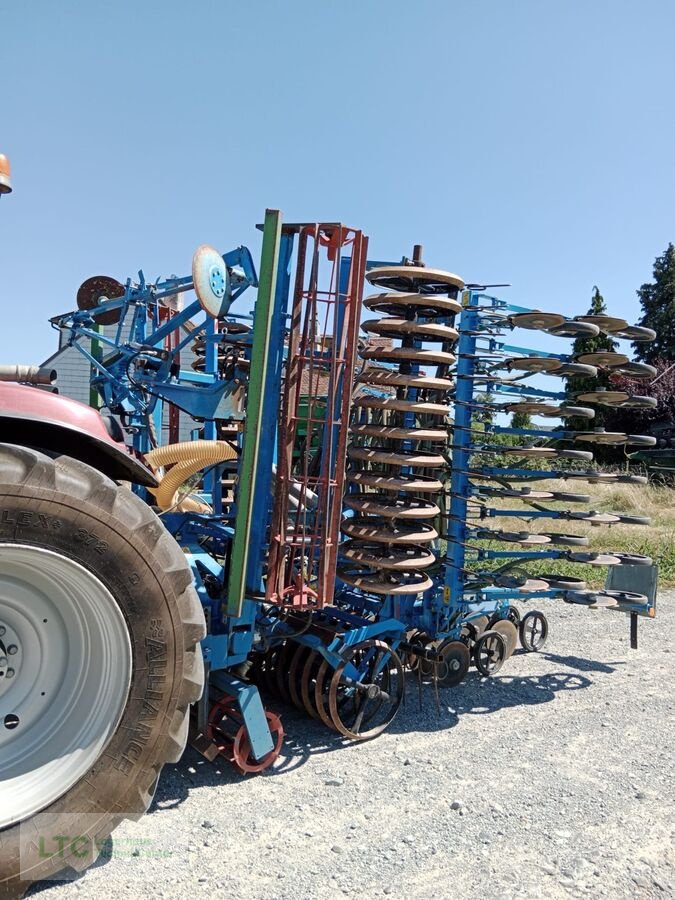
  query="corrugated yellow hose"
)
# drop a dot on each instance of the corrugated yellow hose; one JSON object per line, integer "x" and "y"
{"x": 186, "y": 459}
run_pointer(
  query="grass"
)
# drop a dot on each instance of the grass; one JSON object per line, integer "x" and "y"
{"x": 656, "y": 540}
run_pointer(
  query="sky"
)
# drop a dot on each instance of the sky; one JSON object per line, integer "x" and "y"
{"x": 521, "y": 141}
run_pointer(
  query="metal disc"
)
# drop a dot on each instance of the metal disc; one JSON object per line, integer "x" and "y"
{"x": 295, "y": 674}
{"x": 409, "y": 354}
{"x": 531, "y": 407}
{"x": 410, "y": 406}
{"x": 595, "y": 559}
{"x": 575, "y": 330}
{"x": 380, "y": 556}
{"x": 537, "y": 321}
{"x": 393, "y": 433}
{"x": 425, "y": 305}
{"x": 416, "y": 458}
{"x": 402, "y": 328}
{"x": 211, "y": 281}
{"x": 308, "y": 682}
{"x": 567, "y": 540}
{"x": 514, "y": 537}
{"x": 416, "y": 484}
{"x": 595, "y": 518}
{"x": 454, "y": 665}
{"x": 641, "y": 440}
{"x": 532, "y": 452}
{"x": 562, "y": 581}
{"x": 608, "y": 398}
{"x": 629, "y": 401}
{"x": 627, "y": 519}
{"x": 635, "y": 333}
{"x": 371, "y": 528}
{"x": 602, "y": 437}
{"x": 602, "y": 358}
{"x": 392, "y": 507}
{"x": 97, "y": 289}
{"x": 403, "y": 584}
{"x": 607, "y": 324}
{"x": 570, "y": 370}
{"x": 580, "y": 412}
{"x": 399, "y": 379}
{"x": 509, "y": 632}
{"x": 634, "y": 370}
{"x": 321, "y": 688}
{"x": 415, "y": 280}
{"x": 534, "y": 364}
{"x": 281, "y": 670}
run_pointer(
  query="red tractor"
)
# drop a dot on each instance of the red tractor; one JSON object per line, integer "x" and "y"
{"x": 99, "y": 631}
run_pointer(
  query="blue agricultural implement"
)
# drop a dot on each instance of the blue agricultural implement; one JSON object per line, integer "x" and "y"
{"x": 292, "y": 503}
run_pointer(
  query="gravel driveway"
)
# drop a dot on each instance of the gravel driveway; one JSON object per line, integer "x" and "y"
{"x": 552, "y": 779}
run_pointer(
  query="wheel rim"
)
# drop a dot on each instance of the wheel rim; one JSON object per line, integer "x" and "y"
{"x": 65, "y": 679}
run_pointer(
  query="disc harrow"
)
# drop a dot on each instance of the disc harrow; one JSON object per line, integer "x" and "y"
{"x": 399, "y": 431}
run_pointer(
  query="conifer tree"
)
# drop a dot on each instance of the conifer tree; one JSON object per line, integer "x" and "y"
{"x": 583, "y": 383}
{"x": 658, "y": 310}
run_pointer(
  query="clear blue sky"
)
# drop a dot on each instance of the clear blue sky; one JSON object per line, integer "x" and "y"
{"x": 529, "y": 141}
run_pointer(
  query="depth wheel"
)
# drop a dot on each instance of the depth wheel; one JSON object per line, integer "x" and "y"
{"x": 489, "y": 652}
{"x": 533, "y": 631}
{"x": 97, "y": 600}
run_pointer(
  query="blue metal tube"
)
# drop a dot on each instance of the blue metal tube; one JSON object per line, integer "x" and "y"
{"x": 466, "y": 364}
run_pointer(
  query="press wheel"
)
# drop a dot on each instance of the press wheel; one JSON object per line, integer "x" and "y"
{"x": 533, "y": 631}
{"x": 489, "y": 652}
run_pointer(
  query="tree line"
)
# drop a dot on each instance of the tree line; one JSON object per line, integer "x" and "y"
{"x": 657, "y": 301}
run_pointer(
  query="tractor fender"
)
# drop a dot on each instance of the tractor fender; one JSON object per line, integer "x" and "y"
{"x": 35, "y": 418}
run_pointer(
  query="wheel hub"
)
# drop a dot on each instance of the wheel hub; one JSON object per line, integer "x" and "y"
{"x": 10, "y": 656}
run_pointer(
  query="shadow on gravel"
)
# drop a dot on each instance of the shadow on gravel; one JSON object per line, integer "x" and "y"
{"x": 482, "y": 696}
{"x": 437, "y": 711}
{"x": 583, "y": 665}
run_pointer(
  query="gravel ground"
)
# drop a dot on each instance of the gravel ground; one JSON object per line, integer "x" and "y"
{"x": 552, "y": 779}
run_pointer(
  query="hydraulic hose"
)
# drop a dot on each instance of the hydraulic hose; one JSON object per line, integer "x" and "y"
{"x": 186, "y": 459}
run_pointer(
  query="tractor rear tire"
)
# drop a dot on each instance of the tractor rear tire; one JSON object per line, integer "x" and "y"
{"x": 99, "y": 662}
